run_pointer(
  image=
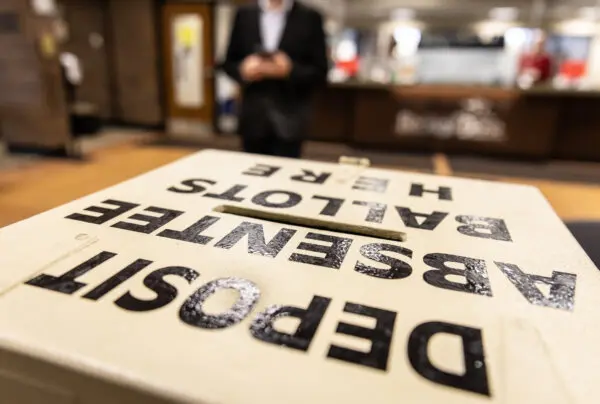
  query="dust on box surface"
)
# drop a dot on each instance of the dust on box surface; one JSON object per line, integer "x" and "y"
{"x": 488, "y": 300}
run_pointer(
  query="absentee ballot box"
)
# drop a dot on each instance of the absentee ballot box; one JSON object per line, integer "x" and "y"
{"x": 231, "y": 278}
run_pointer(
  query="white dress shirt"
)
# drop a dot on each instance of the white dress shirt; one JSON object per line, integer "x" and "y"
{"x": 272, "y": 23}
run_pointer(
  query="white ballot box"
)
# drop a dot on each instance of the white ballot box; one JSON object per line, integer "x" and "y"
{"x": 231, "y": 278}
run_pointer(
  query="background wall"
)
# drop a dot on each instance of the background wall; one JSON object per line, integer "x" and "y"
{"x": 32, "y": 105}
{"x": 87, "y": 38}
{"x": 224, "y": 14}
{"x": 135, "y": 53}
{"x": 334, "y": 9}
{"x": 118, "y": 45}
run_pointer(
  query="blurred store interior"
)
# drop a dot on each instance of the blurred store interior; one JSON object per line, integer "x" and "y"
{"x": 438, "y": 86}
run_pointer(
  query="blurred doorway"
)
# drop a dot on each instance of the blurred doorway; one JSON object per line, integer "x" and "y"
{"x": 85, "y": 33}
{"x": 189, "y": 79}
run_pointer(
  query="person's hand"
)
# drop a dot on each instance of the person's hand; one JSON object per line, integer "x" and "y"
{"x": 283, "y": 64}
{"x": 277, "y": 66}
{"x": 251, "y": 68}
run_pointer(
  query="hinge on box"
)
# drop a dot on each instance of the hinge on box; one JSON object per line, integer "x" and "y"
{"x": 354, "y": 161}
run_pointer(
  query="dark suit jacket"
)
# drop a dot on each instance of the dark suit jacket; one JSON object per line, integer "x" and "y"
{"x": 279, "y": 105}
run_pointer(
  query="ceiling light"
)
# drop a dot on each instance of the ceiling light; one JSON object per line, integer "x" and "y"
{"x": 504, "y": 13}
{"x": 588, "y": 13}
{"x": 403, "y": 14}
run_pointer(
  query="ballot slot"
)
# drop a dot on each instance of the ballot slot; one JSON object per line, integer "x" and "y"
{"x": 314, "y": 223}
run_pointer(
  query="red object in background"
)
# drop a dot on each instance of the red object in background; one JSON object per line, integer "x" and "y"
{"x": 350, "y": 66}
{"x": 572, "y": 69}
{"x": 540, "y": 62}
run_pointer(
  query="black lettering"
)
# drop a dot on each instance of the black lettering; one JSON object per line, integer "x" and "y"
{"x": 312, "y": 177}
{"x": 256, "y": 239}
{"x": 262, "y": 170}
{"x": 371, "y": 184}
{"x": 334, "y": 254}
{"x": 444, "y": 193}
{"x": 165, "y": 292}
{"x": 380, "y": 337}
{"x": 117, "y": 279}
{"x": 192, "y": 186}
{"x": 376, "y": 210}
{"x": 67, "y": 282}
{"x": 397, "y": 269}
{"x": 192, "y": 234}
{"x": 474, "y": 378}
{"x": 562, "y": 287}
{"x": 292, "y": 200}
{"x": 191, "y": 311}
{"x": 230, "y": 194}
{"x": 262, "y": 327}
{"x": 153, "y": 223}
{"x": 409, "y": 218}
{"x": 106, "y": 214}
{"x": 332, "y": 207}
{"x": 483, "y": 227}
{"x": 474, "y": 272}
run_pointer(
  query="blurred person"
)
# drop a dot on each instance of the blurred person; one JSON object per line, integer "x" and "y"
{"x": 71, "y": 69}
{"x": 72, "y": 75}
{"x": 536, "y": 65}
{"x": 277, "y": 53}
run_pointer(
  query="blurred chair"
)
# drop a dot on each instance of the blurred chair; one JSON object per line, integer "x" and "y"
{"x": 588, "y": 236}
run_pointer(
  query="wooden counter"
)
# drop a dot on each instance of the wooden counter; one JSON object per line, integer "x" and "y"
{"x": 333, "y": 109}
{"x": 535, "y": 123}
{"x": 578, "y": 128}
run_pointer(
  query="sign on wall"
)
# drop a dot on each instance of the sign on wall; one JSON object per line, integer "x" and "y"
{"x": 231, "y": 278}
{"x": 475, "y": 119}
{"x": 188, "y": 65}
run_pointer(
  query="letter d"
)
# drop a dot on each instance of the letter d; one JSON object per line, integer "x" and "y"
{"x": 474, "y": 378}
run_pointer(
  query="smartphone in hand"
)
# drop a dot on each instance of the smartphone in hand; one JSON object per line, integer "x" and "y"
{"x": 263, "y": 53}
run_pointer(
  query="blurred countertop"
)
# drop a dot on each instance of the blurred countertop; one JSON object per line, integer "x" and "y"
{"x": 465, "y": 89}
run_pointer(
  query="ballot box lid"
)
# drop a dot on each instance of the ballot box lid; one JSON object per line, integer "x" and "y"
{"x": 233, "y": 278}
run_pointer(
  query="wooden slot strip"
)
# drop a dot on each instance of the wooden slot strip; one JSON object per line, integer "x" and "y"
{"x": 313, "y": 223}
